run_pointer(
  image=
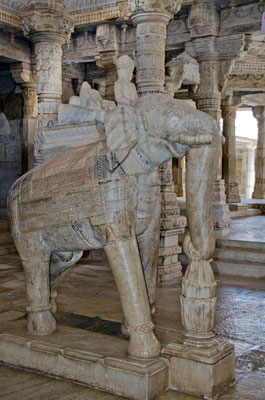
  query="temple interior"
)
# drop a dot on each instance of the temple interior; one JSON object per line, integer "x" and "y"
{"x": 69, "y": 71}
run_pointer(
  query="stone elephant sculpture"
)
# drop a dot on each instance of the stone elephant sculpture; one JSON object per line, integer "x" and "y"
{"x": 107, "y": 195}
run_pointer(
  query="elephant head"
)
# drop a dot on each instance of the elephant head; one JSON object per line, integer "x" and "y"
{"x": 164, "y": 128}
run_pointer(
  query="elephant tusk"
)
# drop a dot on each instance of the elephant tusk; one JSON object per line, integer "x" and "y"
{"x": 187, "y": 138}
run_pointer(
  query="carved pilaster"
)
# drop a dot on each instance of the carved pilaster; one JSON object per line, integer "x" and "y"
{"x": 259, "y": 188}
{"x": 229, "y": 153}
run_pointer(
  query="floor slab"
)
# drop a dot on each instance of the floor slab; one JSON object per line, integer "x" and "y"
{"x": 89, "y": 292}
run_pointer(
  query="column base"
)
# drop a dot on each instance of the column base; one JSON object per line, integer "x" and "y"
{"x": 201, "y": 371}
{"x": 232, "y": 193}
{"x": 258, "y": 195}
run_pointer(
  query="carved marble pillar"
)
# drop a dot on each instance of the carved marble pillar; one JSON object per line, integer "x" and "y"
{"x": 259, "y": 188}
{"x": 229, "y": 154}
{"x": 208, "y": 99}
{"x": 23, "y": 75}
{"x": 107, "y": 63}
{"x": 29, "y": 93}
{"x": 178, "y": 169}
{"x": 49, "y": 81}
{"x": 48, "y": 27}
{"x": 150, "y": 78}
{"x": 108, "y": 49}
{"x": 150, "y": 47}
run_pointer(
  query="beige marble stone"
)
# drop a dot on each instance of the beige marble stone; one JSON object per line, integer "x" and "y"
{"x": 123, "y": 213}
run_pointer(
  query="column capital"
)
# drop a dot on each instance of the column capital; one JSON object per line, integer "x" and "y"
{"x": 259, "y": 113}
{"x": 47, "y": 25}
{"x": 204, "y": 19}
{"x": 152, "y": 16}
{"x": 169, "y": 6}
{"x": 22, "y": 73}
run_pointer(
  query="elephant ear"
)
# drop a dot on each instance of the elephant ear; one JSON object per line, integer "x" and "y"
{"x": 122, "y": 130}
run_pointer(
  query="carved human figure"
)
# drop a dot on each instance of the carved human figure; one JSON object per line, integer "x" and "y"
{"x": 91, "y": 99}
{"x": 124, "y": 89}
{"x": 107, "y": 195}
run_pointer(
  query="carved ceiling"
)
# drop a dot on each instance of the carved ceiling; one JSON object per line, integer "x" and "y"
{"x": 15, "y": 5}
{"x": 71, "y": 5}
{"x": 75, "y": 6}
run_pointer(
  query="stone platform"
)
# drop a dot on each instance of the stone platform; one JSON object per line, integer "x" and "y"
{"x": 86, "y": 357}
{"x": 88, "y": 303}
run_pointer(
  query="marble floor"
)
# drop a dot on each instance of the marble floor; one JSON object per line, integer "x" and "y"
{"x": 250, "y": 229}
{"x": 88, "y": 299}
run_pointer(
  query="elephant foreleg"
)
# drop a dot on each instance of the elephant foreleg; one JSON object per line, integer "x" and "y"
{"x": 148, "y": 246}
{"x": 40, "y": 318}
{"x": 123, "y": 256}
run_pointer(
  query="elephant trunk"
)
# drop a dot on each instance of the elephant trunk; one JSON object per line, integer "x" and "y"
{"x": 202, "y": 164}
{"x": 198, "y": 286}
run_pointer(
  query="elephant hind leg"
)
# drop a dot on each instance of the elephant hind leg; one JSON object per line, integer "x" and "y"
{"x": 123, "y": 256}
{"x": 40, "y": 318}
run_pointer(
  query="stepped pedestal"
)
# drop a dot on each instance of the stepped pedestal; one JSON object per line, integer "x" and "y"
{"x": 90, "y": 358}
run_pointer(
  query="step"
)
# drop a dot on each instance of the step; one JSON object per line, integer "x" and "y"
{"x": 5, "y": 237}
{"x": 250, "y": 212}
{"x": 237, "y": 207}
{"x": 7, "y": 248}
{"x": 241, "y": 244}
{"x": 239, "y": 254}
{"x": 239, "y": 268}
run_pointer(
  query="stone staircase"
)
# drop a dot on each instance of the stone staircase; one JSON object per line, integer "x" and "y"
{"x": 239, "y": 210}
{"x": 6, "y": 243}
{"x": 237, "y": 258}
{"x": 240, "y": 258}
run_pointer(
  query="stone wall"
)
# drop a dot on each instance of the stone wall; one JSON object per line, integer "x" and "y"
{"x": 10, "y": 136}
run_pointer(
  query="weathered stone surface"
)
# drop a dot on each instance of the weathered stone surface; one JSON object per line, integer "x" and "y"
{"x": 93, "y": 357}
{"x": 202, "y": 372}
{"x": 90, "y": 198}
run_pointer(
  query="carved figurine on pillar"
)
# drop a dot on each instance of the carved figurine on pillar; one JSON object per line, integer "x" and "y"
{"x": 124, "y": 89}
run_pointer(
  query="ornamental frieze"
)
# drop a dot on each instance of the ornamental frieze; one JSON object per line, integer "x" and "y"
{"x": 240, "y": 19}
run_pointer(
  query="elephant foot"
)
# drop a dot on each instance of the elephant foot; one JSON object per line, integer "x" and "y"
{"x": 41, "y": 322}
{"x": 144, "y": 345}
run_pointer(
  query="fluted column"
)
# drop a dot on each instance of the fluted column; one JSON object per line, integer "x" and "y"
{"x": 229, "y": 154}
{"x": 259, "y": 188}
